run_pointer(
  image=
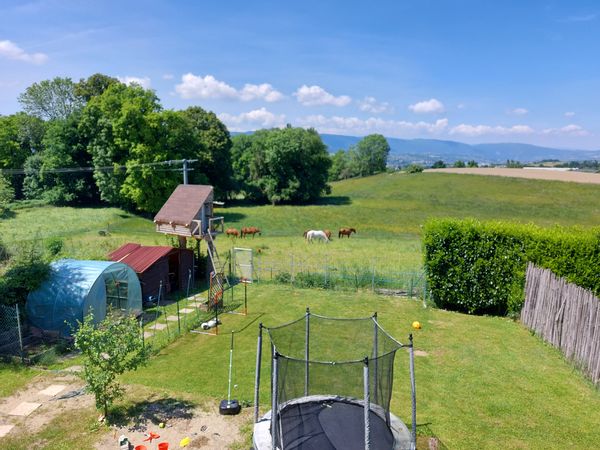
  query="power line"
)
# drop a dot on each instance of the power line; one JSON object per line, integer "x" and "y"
{"x": 98, "y": 168}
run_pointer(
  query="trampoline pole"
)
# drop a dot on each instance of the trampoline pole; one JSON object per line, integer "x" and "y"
{"x": 306, "y": 351}
{"x": 413, "y": 391}
{"x": 367, "y": 404}
{"x": 375, "y": 361}
{"x": 274, "y": 413}
{"x": 257, "y": 376}
{"x": 230, "y": 365}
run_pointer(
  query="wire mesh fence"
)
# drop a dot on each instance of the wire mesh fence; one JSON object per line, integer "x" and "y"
{"x": 321, "y": 273}
{"x": 11, "y": 333}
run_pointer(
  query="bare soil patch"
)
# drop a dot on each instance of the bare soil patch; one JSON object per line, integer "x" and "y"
{"x": 575, "y": 177}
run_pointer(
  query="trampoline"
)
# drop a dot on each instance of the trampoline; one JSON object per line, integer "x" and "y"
{"x": 331, "y": 384}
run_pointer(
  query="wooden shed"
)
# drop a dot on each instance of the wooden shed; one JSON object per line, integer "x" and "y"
{"x": 154, "y": 264}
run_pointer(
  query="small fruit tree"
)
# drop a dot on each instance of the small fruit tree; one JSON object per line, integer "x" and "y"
{"x": 110, "y": 348}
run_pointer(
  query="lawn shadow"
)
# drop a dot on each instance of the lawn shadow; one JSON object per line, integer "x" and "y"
{"x": 335, "y": 200}
{"x": 233, "y": 216}
{"x": 136, "y": 415}
{"x": 7, "y": 214}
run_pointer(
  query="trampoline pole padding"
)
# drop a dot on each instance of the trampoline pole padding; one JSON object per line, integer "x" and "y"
{"x": 306, "y": 351}
{"x": 367, "y": 404}
{"x": 274, "y": 401}
{"x": 257, "y": 376}
{"x": 413, "y": 391}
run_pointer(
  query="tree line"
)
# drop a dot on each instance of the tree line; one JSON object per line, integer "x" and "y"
{"x": 122, "y": 134}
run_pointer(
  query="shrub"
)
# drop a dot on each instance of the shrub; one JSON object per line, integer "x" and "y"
{"x": 54, "y": 246}
{"x": 414, "y": 168}
{"x": 283, "y": 277}
{"x": 479, "y": 268}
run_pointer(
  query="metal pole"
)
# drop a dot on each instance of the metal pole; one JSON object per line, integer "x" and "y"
{"x": 185, "y": 171}
{"x": 413, "y": 390}
{"x": 367, "y": 405}
{"x": 178, "y": 318}
{"x": 158, "y": 305}
{"x": 257, "y": 375}
{"x": 246, "y": 299}
{"x": 274, "y": 412}
{"x": 375, "y": 358}
{"x": 306, "y": 351}
{"x": 230, "y": 365}
{"x": 19, "y": 331}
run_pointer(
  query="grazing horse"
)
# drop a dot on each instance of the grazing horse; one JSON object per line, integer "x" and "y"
{"x": 232, "y": 232}
{"x": 327, "y": 233}
{"x": 315, "y": 234}
{"x": 346, "y": 232}
{"x": 250, "y": 230}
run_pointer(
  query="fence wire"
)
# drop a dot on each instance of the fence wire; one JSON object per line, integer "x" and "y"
{"x": 11, "y": 338}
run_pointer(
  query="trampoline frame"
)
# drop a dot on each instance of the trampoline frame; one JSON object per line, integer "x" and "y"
{"x": 368, "y": 365}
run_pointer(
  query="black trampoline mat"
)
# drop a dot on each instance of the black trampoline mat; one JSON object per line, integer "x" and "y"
{"x": 331, "y": 425}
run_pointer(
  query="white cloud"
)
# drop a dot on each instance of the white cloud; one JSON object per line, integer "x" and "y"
{"x": 356, "y": 126}
{"x": 316, "y": 95}
{"x": 252, "y": 120}
{"x": 567, "y": 130}
{"x": 193, "y": 86}
{"x": 461, "y": 106}
{"x": 371, "y": 105}
{"x": 427, "y": 107}
{"x": 260, "y": 91}
{"x": 11, "y": 50}
{"x": 142, "y": 81}
{"x": 480, "y": 130}
{"x": 569, "y": 114}
{"x": 168, "y": 76}
{"x": 519, "y": 111}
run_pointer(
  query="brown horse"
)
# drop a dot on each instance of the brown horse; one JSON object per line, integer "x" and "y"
{"x": 327, "y": 233}
{"x": 232, "y": 232}
{"x": 250, "y": 230}
{"x": 346, "y": 232}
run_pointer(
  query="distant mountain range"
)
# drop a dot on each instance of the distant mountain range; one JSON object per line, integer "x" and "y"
{"x": 427, "y": 151}
{"x": 431, "y": 150}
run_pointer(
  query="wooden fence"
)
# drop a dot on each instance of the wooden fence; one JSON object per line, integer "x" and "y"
{"x": 565, "y": 315}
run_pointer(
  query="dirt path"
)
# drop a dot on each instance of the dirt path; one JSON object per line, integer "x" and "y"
{"x": 29, "y": 410}
{"x": 575, "y": 177}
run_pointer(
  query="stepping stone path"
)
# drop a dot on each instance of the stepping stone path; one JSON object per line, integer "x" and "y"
{"x": 52, "y": 390}
{"x": 5, "y": 429}
{"x": 24, "y": 409}
{"x": 159, "y": 326}
{"x": 186, "y": 310}
{"x": 74, "y": 369}
{"x": 172, "y": 318}
{"x": 148, "y": 334}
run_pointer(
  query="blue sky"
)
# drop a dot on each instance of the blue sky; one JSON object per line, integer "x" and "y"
{"x": 472, "y": 71}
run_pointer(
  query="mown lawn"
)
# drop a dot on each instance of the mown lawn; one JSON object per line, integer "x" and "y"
{"x": 486, "y": 382}
{"x": 13, "y": 377}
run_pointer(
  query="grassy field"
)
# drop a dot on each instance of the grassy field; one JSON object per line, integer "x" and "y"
{"x": 486, "y": 382}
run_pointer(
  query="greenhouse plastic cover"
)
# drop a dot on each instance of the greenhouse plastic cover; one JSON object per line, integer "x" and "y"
{"x": 75, "y": 288}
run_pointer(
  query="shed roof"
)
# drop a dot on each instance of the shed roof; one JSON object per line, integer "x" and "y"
{"x": 184, "y": 204}
{"x": 139, "y": 258}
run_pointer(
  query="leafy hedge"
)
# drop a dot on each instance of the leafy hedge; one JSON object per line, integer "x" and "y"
{"x": 479, "y": 268}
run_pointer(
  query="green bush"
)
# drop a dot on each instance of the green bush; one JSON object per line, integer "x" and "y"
{"x": 54, "y": 246}
{"x": 414, "y": 168}
{"x": 479, "y": 268}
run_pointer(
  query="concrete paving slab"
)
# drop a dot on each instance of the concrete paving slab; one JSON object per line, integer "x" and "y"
{"x": 5, "y": 429}
{"x": 24, "y": 409}
{"x": 186, "y": 310}
{"x": 159, "y": 326}
{"x": 148, "y": 334}
{"x": 172, "y": 318}
{"x": 53, "y": 389}
{"x": 74, "y": 369}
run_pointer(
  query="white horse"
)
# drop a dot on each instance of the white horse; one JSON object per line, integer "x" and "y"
{"x": 315, "y": 234}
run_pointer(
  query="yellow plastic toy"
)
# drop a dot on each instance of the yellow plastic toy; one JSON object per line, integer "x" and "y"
{"x": 184, "y": 442}
{"x": 416, "y": 325}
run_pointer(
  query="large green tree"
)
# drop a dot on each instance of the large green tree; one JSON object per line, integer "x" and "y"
{"x": 55, "y": 174}
{"x": 51, "y": 99}
{"x": 212, "y": 148}
{"x": 92, "y": 86}
{"x": 369, "y": 156}
{"x": 116, "y": 125}
{"x": 285, "y": 165}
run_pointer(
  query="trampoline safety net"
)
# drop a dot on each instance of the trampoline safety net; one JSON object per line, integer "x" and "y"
{"x": 316, "y": 357}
